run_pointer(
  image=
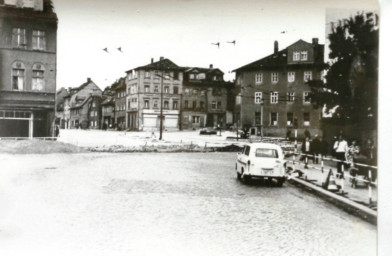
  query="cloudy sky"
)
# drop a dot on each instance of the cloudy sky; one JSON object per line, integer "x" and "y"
{"x": 181, "y": 30}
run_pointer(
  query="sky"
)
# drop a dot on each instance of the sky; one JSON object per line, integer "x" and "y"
{"x": 182, "y": 31}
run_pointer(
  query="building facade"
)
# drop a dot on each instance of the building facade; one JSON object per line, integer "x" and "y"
{"x": 149, "y": 87}
{"x": 28, "y": 32}
{"x": 272, "y": 93}
{"x": 204, "y": 99}
{"x": 84, "y": 106}
{"x": 120, "y": 96}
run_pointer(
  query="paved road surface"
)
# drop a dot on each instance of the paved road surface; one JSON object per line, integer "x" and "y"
{"x": 163, "y": 204}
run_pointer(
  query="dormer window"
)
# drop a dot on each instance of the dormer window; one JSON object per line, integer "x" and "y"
{"x": 296, "y": 56}
{"x": 191, "y": 76}
{"x": 201, "y": 76}
{"x": 304, "y": 55}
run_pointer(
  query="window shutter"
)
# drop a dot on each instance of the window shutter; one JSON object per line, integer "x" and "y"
{"x": 14, "y": 37}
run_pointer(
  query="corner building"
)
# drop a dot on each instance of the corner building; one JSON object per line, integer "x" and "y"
{"x": 28, "y": 31}
{"x": 272, "y": 93}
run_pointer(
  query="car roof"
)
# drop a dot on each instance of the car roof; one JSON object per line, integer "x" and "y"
{"x": 264, "y": 145}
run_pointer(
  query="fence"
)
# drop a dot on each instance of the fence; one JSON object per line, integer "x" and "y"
{"x": 367, "y": 181}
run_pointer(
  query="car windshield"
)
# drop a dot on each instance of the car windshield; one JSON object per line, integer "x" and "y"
{"x": 266, "y": 152}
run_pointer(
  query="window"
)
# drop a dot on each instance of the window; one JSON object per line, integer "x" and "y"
{"x": 266, "y": 152}
{"x": 247, "y": 150}
{"x": 39, "y": 41}
{"x": 18, "y": 73}
{"x": 290, "y": 97}
{"x": 195, "y": 92}
{"x": 213, "y": 105}
{"x": 175, "y": 104}
{"x": 146, "y": 104}
{"x": 201, "y": 76}
{"x": 257, "y": 118}
{"x": 147, "y": 74}
{"x": 274, "y": 77}
{"x": 166, "y": 89}
{"x": 306, "y": 97}
{"x": 238, "y": 99}
{"x": 273, "y": 118}
{"x": 274, "y": 97}
{"x": 156, "y": 88}
{"x": 196, "y": 119}
{"x": 191, "y": 76}
{"x": 306, "y": 119}
{"x": 304, "y": 55}
{"x": 38, "y": 81}
{"x": 93, "y": 104}
{"x": 175, "y": 75}
{"x": 194, "y": 104}
{"x": 290, "y": 118}
{"x": 165, "y": 104}
{"x": 219, "y": 105}
{"x": 290, "y": 77}
{"x": 19, "y": 37}
{"x": 259, "y": 78}
{"x": 175, "y": 90}
{"x": 307, "y": 76}
{"x": 155, "y": 104}
{"x": 186, "y": 91}
{"x": 296, "y": 55}
{"x": 202, "y": 92}
{"x": 202, "y": 104}
{"x": 258, "y": 97}
{"x": 147, "y": 88}
{"x": 92, "y": 123}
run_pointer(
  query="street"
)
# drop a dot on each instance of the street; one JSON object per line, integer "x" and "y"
{"x": 163, "y": 204}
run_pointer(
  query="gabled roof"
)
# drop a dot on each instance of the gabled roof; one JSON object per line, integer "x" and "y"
{"x": 279, "y": 59}
{"x": 202, "y": 70}
{"x": 164, "y": 64}
{"x": 108, "y": 101}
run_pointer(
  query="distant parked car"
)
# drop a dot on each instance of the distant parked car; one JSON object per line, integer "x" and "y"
{"x": 208, "y": 131}
{"x": 261, "y": 160}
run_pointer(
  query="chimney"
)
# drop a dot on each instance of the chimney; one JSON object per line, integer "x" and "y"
{"x": 152, "y": 60}
{"x": 161, "y": 58}
{"x": 315, "y": 41}
{"x": 88, "y": 79}
{"x": 211, "y": 66}
{"x": 276, "y": 47}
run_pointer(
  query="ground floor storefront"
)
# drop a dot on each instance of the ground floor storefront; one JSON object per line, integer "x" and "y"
{"x": 26, "y": 123}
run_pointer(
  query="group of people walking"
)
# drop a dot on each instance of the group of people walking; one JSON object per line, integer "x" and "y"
{"x": 347, "y": 154}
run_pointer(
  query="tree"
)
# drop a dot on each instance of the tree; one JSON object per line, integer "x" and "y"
{"x": 351, "y": 82}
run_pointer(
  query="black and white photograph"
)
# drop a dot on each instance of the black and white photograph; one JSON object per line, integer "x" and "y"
{"x": 194, "y": 127}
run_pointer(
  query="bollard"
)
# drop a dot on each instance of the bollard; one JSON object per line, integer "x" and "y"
{"x": 294, "y": 162}
{"x": 322, "y": 164}
{"x": 306, "y": 161}
{"x": 370, "y": 187}
{"x": 342, "y": 179}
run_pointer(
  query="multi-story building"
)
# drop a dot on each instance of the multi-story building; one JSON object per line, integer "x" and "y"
{"x": 204, "y": 99}
{"x": 272, "y": 93}
{"x": 28, "y": 31}
{"x": 120, "y": 96}
{"x": 83, "y": 103}
{"x": 147, "y": 85}
{"x": 108, "y": 112}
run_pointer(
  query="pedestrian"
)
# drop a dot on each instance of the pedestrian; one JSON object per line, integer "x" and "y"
{"x": 369, "y": 149}
{"x": 315, "y": 146}
{"x": 340, "y": 147}
{"x": 57, "y": 131}
{"x": 352, "y": 153}
{"x": 306, "y": 149}
{"x": 324, "y": 146}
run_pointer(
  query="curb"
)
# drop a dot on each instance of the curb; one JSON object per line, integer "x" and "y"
{"x": 346, "y": 204}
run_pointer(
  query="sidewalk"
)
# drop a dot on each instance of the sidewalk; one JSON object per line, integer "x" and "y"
{"x": 313, "y": 177}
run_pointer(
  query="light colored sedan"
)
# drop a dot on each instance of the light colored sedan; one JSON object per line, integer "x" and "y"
{"x": 261, "y": 160}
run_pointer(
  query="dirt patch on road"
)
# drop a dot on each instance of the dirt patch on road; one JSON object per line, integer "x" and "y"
{"x": 37, "y": 147}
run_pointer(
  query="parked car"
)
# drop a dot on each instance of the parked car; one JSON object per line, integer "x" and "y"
{"x": 261, "y": 160}
{"x": 208, "y": 131}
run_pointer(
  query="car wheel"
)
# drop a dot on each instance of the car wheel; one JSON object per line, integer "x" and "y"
{"x": 245, "y": 179}
{"x": 280, "y": 182}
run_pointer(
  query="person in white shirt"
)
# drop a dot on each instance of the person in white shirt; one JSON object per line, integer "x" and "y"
{"x": 341, "y": 148}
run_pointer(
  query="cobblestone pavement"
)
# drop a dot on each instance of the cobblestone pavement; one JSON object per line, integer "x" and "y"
{"x": 163, "y": 204}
